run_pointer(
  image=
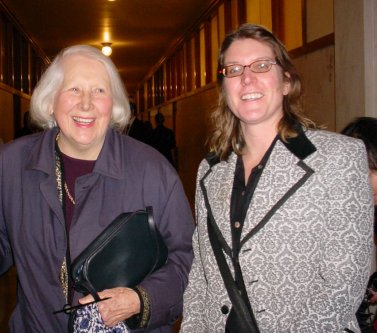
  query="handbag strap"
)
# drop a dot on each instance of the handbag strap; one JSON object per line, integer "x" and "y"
{"x": 244, "y": 312}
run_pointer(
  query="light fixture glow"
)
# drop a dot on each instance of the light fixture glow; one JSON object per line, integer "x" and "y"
{"x": 106, "y": 49}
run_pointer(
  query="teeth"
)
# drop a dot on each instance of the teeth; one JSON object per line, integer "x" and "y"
{"x": 82, "y": 120}
{"x": 252, "y": 96}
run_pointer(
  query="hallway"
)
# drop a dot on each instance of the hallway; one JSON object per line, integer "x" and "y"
{"x": 182, "y": 83}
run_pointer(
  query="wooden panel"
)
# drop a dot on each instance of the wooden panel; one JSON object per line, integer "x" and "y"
{"x": 6, "y": 116}
{"x": 191, "y": 121}
{"x": 287, "y": 22}
{"x": 259, "y": 11}
{"x": 202, "y": 48}
{"x": 189, "y": 66}
{"x": 214, "y": 47}
{"x": 197, "y": 60}
{"x": 318, "y": 77}
{"x": 319, "y": 18}
{"x": 208, "y": 50}
{"x": 292, "y": 11}
{"x": 221, "y": 25}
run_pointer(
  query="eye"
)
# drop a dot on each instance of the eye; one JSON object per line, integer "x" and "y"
{"x": 233, "y": 70}
{"x": 74, "y": 89}
{"x": 261, "y": 66}
{"x": 99, "y": 91}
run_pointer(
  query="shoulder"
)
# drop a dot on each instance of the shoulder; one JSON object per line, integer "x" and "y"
{"x": 21, "y": 147}
{"x": 130, "y": 153}
{"x": 334, "y": 143}
{"x": 338, "y": 152}
{"x": 213, "y": 162}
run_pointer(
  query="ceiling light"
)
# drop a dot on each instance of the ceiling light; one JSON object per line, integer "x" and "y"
{"x": 106, "y": 49}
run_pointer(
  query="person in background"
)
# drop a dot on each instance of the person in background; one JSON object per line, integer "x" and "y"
{"x": 284, "y": 210}
{"x": 136, "y": 128}
{"x": 26, "y": 129}
{"x": 62, "y": 187}
{"x": 163, "y": 139}
{"x": 365, "y": 129}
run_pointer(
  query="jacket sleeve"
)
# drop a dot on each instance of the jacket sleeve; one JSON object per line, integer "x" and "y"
{"x": 174, "y": 219}
{"x": 6, "y": 258}
{"x": 194, "y": 298}
{"x": 345, "y": 248}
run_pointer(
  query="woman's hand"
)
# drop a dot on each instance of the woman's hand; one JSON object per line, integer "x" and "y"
{"x": 123, "y": 304}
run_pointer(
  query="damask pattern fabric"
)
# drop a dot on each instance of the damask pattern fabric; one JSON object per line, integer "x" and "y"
{"x": 306, "y": 270}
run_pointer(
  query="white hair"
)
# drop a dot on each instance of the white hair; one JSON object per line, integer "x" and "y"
{"x": 52, "y": 79}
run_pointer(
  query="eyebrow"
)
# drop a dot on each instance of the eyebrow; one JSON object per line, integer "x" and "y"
{"x": 238, "y": 63}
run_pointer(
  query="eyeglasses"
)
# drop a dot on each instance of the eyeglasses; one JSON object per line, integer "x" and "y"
{"x": 258, "y": 66}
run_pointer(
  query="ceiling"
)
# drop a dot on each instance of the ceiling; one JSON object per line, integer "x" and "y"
{"x": 141, "y": 31}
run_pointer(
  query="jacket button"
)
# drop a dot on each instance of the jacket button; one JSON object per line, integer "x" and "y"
{"x": 224, "y": 309}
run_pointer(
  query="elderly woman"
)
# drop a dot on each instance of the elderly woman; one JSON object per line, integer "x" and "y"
{"x": 284, "y": 210}
{"x": 60, "y": 188}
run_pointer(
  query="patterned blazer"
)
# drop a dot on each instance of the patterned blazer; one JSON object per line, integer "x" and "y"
{"x": 307, "y": 268}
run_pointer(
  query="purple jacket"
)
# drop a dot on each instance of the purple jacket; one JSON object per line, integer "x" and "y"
{"x": 127, "y": 176}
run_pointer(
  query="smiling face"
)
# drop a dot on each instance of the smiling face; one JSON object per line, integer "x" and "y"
{"x": 82, "y": 107}
{"x": 254, "y": 98}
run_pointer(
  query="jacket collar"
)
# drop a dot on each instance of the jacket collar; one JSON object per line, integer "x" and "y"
{"x": 300, "y": 146}
{"x": 109, "y": 162}
{"x": 294, "y": 150}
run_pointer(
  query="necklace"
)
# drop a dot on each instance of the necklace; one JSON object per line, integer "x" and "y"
{"x": 70, "y": 197}
{"x": 68, "y": 193}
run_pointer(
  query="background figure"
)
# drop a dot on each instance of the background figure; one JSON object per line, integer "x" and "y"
{"x": 26, "y": 128}
{"x": 62, "y": 187}
{"x": 163, "y": 139}
{"x": 365, "y": 129}
{"x": 136, "y": 128}
{"x": 284, "y": 210}
{"x": 148, "y": 129}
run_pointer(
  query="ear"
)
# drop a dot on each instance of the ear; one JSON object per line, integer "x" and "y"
{"x": 286, "y": 83}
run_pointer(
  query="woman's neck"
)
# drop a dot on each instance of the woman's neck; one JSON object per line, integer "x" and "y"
{"x": 77, "y": 152}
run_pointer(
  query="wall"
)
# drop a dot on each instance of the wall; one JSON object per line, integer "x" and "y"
{"x": 191, "y": 121}
{"x": 355, "y": 59}
{"x": 318, "y": 77}
{"x": 11, "y": 104}
{"x": 6, "y": 116}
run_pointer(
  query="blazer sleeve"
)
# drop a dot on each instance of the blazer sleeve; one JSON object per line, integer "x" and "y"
{"x": 346, "y": 245}
{"x": 194, "y": 298}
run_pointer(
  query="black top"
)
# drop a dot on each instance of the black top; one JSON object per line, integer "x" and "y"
{"x": 73, "y": 168}
{"x": 242, "y": 195}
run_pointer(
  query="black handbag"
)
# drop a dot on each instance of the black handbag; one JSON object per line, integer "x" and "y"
{"x": 127, "y": 251}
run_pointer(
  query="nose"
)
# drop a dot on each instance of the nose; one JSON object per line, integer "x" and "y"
{"x": 86, "y": 101}
{"x": 248, "y": 76}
